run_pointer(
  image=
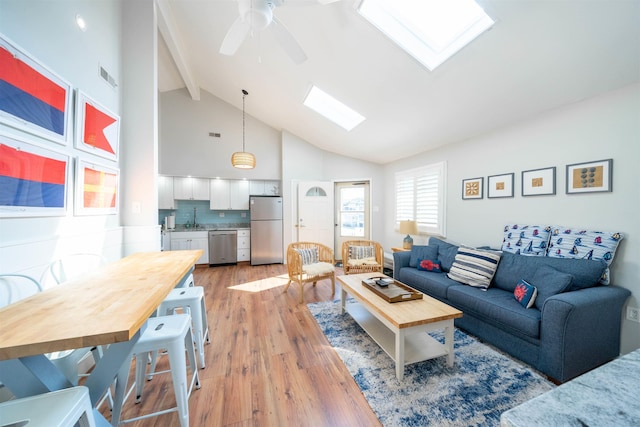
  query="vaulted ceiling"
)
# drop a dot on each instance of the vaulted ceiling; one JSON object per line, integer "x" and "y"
{"x": 539, "y": 56}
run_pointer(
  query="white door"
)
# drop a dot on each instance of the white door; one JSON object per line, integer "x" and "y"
{"x": 315, "y": 212}
{"x": 352, "y": 213}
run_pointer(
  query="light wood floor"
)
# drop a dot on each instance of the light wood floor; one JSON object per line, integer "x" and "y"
{"x": 268, "y": 363}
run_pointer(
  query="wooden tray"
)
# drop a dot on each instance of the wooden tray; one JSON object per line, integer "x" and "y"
{"x": 394, "y": 292}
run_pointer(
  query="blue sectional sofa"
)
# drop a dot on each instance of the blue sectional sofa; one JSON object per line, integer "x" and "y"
{"x": 573, "y": 327}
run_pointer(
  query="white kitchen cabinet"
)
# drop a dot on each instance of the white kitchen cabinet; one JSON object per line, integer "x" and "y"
{"x": 264, "y": 188}
{"x": 244, "y": 243}
{"x": 165, "y": 193}
{"x": 191, "y": 240}
{"x": 229, "y": 194}
{"x": 190, "y": 188}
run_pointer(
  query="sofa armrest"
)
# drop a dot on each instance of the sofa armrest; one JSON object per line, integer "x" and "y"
{"x": 580, "y": 330}
{"x": 400, "y": 259}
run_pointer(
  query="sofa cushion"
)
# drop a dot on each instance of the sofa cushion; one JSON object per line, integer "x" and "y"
{"x": 446, "y": 252}
{"x": 584, "y": 244}
{"x": 525, "y": 293}
{"x": 429, "y": 265}
{"x": 512, "y": 268}
{"x": 422, "y": 252}
{"x": 526, "y": 239}
{"x": 549, "y": 282}
{"x": 430, "y": 283}
{"x": 496, "y": 307}
{"x": 474, "y": 267}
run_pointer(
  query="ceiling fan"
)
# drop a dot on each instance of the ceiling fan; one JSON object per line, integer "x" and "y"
{"x": 257, "y": 15}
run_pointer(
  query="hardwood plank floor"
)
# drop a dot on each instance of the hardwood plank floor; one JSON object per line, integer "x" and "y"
{"x": 268, "y": 363}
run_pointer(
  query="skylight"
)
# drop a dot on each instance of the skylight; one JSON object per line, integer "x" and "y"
{"x": 334, "y": 110}
{"x": 431, "y": 31}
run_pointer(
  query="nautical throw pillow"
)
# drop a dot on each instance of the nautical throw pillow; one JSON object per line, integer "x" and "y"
{"x": 474, "y": 267}
{"x": 429, "y": 265}
{"x": 422, "y": 252}
{"x": 569, "y": 242}
{"x": 525, "y": 293}
{"x": 526, "y": 239}
{"x": 309, "y": 256}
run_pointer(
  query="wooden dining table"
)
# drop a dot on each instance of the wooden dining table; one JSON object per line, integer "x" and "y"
{"x": 106, "y": 307}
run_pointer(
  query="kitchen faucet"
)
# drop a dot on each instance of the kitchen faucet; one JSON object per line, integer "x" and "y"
{"x": 195, "y": 224}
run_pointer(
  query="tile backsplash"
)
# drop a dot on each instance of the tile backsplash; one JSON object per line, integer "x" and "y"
{"x": 204, "y": 215}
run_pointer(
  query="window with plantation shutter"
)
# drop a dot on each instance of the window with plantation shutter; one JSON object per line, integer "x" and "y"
{"x": 420, "y": 197}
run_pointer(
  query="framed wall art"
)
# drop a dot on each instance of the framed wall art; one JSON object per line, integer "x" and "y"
{"x": 33, "y": 180}
{"x": 96, "y": 189}
{"x": 500, "y": 186}
{"x": 590, "y": 177}
{"x": 33, "y": 98}
{"x": 472, "y": 188}
{"x": 97, "y": 128}
{"x": 539, "y": 182}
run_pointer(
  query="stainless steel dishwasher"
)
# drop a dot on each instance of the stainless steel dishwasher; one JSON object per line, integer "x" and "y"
{"x": 223, "y": 246}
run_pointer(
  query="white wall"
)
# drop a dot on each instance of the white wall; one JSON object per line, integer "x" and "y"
{"x": 47, "y": 31}
{"x": 600, "y": 128}
{"x": 187, "y": 149}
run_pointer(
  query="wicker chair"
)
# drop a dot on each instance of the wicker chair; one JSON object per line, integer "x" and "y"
{"x": 303, "y": 270}
{"x": 354, "y": 262}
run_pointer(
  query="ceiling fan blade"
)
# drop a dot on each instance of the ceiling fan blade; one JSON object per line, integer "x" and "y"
{"x": 287, "y": 41}
{"x": 235, "y": 36}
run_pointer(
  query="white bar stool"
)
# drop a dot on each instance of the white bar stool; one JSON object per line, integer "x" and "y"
{"x": 61, "y": 408}
{"x": 172, "y": 333}
{"x": 191, "y": 300}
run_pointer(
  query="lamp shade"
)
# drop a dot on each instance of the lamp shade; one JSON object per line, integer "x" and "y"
{"x": 243, "y": 160}
{"x": 408, "y": 227}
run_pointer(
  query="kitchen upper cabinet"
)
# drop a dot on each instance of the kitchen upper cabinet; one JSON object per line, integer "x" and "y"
{"x": 264, "y": 188}
{"x": 191, "y": 240}
{"x": 190, "y": 188}
{"x": 229, "y": 194}
{"x": 165, "y": 193}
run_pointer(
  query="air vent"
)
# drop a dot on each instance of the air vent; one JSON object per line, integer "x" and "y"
{"x": 108, "y": 77}
{"x": 214, "y": 134}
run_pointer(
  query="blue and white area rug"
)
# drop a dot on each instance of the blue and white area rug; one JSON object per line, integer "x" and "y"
{"x": 481, "y": 385}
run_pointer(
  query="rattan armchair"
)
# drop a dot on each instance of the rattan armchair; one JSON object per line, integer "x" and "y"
{"x": 362, "y": 260}
{"x": 303, "y": 270}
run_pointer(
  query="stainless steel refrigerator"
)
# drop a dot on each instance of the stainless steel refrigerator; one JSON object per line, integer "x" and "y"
{"x": 266, "y": 230}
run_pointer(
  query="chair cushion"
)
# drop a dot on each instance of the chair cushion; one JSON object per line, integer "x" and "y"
{"x": 309, "y": 256}
{"x": 362, "y": 261}
{"x": 318, "y": 268}
{"x": 422, "y": 252}
{"x": 360, "y": 252}
{"x": 474, "y": 267}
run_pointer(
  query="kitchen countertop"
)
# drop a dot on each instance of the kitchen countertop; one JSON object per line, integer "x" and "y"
{"x": 210, "y": 227}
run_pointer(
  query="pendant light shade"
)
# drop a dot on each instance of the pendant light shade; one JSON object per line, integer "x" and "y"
{"x": 242, "y": 159}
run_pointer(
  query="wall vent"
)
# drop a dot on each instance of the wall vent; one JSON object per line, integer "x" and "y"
{"x": 108, "y": 77}
{"x": 214, "y": 134}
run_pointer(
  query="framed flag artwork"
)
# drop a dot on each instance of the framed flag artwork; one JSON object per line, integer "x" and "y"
{"x": 33, "y": 180}
{"x": 96, "y": 189}
{"x": 33, "y": 98}
{"x": 97, "y": 128}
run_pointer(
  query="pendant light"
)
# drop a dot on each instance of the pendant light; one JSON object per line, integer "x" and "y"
{"x": 242, "y": 159}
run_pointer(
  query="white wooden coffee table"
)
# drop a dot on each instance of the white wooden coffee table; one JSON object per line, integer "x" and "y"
{"x": 400, "y": 329}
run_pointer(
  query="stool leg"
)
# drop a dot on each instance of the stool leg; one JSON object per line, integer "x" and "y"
{"x": 205, "y": 322}
{"x": 198, "y": 330}
{"x": 141, "y": 366}
{"x": 120, "y": 390}
{"x": 178, "y": 364}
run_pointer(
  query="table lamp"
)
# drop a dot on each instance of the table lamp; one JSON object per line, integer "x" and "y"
{"x": 408, "y": 227}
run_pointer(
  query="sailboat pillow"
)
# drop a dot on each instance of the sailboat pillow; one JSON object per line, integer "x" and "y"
{"x": 531, "y": 240}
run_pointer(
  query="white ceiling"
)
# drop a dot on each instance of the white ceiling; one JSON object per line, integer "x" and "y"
{"x": 540, "y": 55}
